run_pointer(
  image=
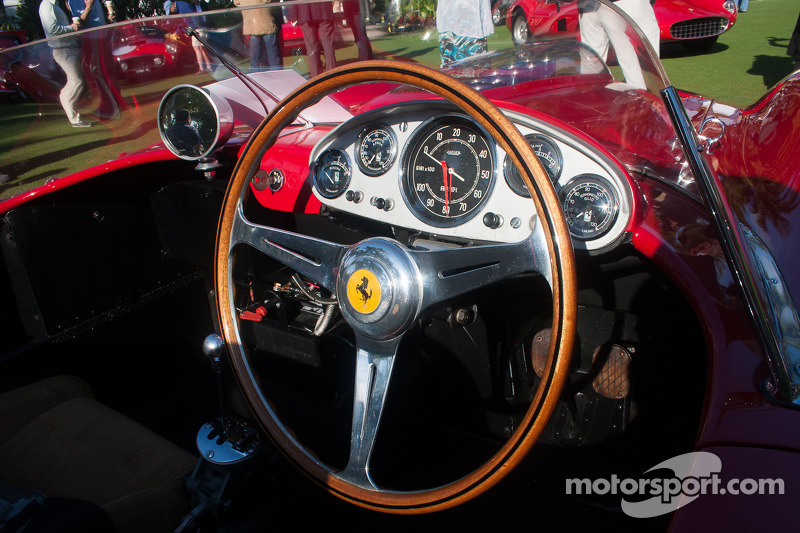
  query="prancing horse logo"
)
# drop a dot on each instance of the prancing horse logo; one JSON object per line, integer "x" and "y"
{"x": 363, "y": 291}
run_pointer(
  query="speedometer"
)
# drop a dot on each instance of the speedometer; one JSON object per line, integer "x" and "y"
{"x": 448, "y": 171}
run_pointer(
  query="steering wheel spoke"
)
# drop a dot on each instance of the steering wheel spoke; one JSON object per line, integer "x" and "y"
{"x": 313, "y": 258}
{"x": 374, "y": 363}
{"x": 454, "y": 271}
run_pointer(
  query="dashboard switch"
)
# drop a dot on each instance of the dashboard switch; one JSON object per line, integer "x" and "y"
{"x": 275, "y": 180}
{"x": 493, "y": 221}
{"x": 354, "y": 196}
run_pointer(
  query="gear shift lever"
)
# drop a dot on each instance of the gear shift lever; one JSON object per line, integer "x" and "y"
{"x": 225, "y": 440}
{"x": 228, "y": 447}
{"x": 214, "y": 349}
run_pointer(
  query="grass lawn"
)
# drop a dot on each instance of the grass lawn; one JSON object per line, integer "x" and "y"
{"x": 747, "y": 60}
{"x": 39, "y": 144}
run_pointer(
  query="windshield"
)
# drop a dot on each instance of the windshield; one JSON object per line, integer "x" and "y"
{"x": 94, "y": 94}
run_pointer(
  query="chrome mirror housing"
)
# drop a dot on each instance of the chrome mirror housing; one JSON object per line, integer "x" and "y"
{"x": 193, "y": 122}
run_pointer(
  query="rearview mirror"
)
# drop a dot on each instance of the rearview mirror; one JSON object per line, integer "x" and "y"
{"x": 193, "y": 122}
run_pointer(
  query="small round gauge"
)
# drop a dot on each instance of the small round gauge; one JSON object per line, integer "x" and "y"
{"x": 590, "y": 206}
{"x": 332, "y": 173}
{"x": 449, "y": 171}
{"x": 548, "y": 154}
{"x": 376, "y": 150}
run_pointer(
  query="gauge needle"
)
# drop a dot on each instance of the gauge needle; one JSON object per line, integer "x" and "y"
{"x": 454, "y": 173}
{"x": 425, "y": 151}
{"x": 446, "y": 176}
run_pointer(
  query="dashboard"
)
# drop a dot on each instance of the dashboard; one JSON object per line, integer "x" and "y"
{"x": 429, "y": 168}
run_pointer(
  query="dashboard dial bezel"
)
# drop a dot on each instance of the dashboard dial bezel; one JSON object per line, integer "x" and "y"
{"x": 372, "y": 129}
{"x": 511, "y": 174}
{"x": 325, "y": 160}
{"x": 420, "y": 182}
{"x": 612, "y": 208}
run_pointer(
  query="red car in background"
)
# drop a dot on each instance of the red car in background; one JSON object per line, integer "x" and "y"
{"x": 137, "y": 50}
{"x": 694, "y": 23}
{"x": 9, "y": 38}
{"x": 141, "y": 49}
{"x": 30, "y": 74}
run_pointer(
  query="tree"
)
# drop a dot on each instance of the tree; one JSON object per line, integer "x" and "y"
{"x": 134, "y": 9}
{"x": 131, "y": 9}
{"x": 28, "y": 19}
{"x": 4, "y": 22}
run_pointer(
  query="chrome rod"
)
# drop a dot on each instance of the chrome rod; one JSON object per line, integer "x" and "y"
{"x": 776, "y": 329}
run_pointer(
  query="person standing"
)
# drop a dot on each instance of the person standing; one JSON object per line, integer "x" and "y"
{"x": 67, "y": 54}
{"x": 600, "y": 27}
{"x": 97, "y": 56}
{"x": 260, "y": 26}
{"x": 463, "y": 27}
{"x": 95, "y": 16}
{"x": 352, "y": 15}
{"x": 316, "y": 21}
{"x": 184, "y": 8}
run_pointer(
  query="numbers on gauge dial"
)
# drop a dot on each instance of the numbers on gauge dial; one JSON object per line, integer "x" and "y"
{"x": 332, "y": 173}
{"x": 548, "y": 154}
{"x": 376, "y": 150}
{"x": 449, "y": 172}
{"x": 590, "y": 206}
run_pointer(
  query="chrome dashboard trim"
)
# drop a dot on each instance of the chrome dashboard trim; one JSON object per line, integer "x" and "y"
{"x": 579, "y": 157}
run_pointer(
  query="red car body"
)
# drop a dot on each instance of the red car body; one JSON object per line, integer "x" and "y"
{"x": 139, "y": 49}
{"x": 695, "y": 23}
{"x": 8, "y": 89}
{"x": 9, "y": 38}
{"x": 111, "y": 257}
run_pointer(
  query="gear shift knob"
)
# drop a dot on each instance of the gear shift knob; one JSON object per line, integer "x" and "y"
{"x": 214, "y": 349}
{"x": 213, "y": 346}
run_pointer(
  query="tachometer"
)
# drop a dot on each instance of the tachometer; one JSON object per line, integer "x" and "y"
{"x": 590, "y": 206}
{"x": 448, "y": 171}
{"x": 548, "y": 154}
{"x": 332, "y": 173}
{"x": 376, "y": 150}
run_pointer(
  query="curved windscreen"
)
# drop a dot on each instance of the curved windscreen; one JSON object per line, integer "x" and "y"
{"x": 93, "y": 95}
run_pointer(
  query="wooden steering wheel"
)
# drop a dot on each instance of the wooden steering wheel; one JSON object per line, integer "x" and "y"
{"x": 411, "y": 281}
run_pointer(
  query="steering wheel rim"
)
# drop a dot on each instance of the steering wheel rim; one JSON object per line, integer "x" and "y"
{"x": 561, "y": 276}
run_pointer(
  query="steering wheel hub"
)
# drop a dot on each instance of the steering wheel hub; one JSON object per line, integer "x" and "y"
{"x": 379, "y": 288}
